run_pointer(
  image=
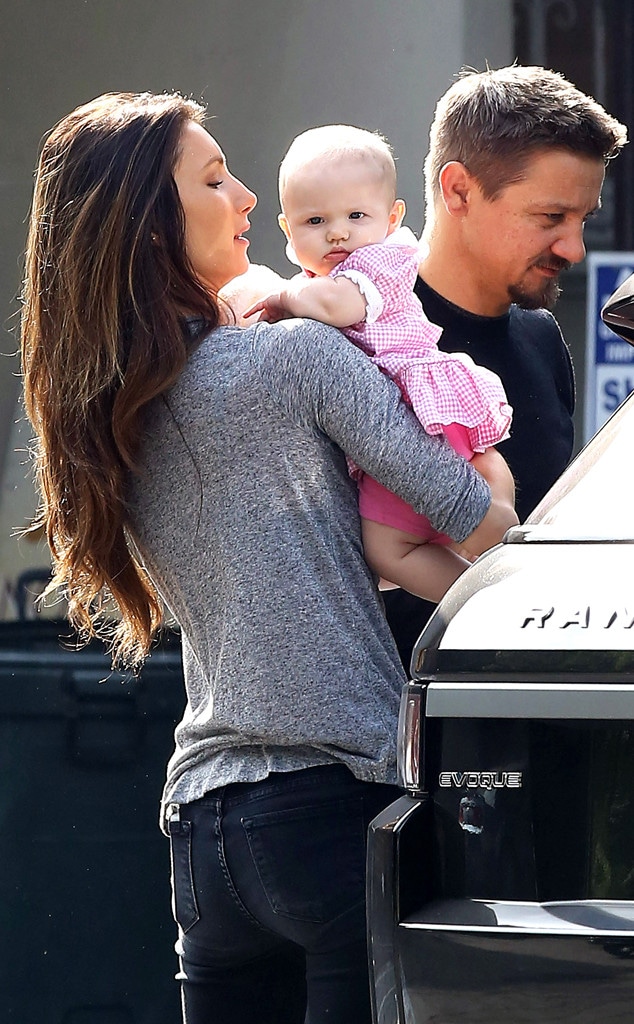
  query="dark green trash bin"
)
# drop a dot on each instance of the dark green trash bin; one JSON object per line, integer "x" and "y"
{"x": 86, "y": 932}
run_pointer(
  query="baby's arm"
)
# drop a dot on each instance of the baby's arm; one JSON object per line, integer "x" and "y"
{"x": 426, "y": 570}
{"x": 246, "y": 289}
{"x": 332, "y": 300}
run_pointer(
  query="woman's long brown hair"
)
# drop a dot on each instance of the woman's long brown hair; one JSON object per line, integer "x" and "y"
{"x": 107, "y": 280}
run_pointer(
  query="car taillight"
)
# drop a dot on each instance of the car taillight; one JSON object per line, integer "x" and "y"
{"x": 408, "y": 747}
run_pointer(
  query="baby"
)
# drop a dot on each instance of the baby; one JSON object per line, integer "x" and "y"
{"x": 343, "y": 222}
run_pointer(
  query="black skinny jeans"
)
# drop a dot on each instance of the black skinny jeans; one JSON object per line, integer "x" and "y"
{"x": 268, "y": 882}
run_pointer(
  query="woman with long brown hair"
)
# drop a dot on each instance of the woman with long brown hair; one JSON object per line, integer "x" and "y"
{"x": 186, "y": 463}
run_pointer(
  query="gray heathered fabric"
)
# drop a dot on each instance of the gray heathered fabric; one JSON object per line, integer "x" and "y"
{"x": 247, "y": 520}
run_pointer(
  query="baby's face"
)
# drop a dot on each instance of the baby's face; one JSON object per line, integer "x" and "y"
{"x": 333, "y": 207}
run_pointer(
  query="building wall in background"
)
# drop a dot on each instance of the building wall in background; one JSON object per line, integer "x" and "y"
{"x": 266, "y": 71}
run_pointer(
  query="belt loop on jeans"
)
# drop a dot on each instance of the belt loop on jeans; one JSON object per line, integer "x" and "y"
{"x": 172, "y": 819}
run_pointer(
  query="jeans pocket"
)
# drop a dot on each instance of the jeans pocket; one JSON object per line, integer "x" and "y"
{"x": 310, "y": 860}
{"x": 184, "y": 903}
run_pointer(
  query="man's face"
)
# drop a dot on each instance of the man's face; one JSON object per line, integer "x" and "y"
{"x": 518, "y": 244}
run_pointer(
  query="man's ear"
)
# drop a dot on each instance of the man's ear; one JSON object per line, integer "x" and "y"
{"x": 456, "y": 186}
{"x": 396, "y": 216}
{"x": 283, "y": 223}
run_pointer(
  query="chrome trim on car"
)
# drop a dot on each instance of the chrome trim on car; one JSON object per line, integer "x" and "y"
{"x": 603, "y": 701}
{"x": 408, "y": 742}
{"x": 605, "y": 918}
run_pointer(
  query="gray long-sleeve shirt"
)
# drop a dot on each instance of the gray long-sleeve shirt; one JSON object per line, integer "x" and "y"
{"x": 247, "y": 520}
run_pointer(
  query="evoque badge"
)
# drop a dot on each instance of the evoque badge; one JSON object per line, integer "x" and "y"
{"x": 480, "y": 780}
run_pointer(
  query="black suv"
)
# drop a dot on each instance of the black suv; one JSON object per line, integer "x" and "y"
{"x": 501, "y": 884}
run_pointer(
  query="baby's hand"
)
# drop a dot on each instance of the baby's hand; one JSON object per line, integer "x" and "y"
{"x": 241, "y": 293}
{"x": 270, "y": 309}
{"x": 332, "y": 300}
{"x": 463, "y": 551}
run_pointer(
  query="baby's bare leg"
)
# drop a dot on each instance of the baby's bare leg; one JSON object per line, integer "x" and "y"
{"x": 426, "y": 570}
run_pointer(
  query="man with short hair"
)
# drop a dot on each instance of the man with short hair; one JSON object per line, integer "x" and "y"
{"x": 515, "y": 167}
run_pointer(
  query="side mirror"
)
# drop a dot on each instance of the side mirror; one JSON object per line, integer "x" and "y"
{"x": 618, "y": 312}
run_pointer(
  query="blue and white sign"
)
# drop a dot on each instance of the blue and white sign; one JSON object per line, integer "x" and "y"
{"x": 609, "y": 359}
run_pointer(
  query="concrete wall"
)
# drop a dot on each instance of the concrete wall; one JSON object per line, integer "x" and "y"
{"x": 266, "y": 71}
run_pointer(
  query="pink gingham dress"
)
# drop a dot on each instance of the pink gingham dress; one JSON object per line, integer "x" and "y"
{"x": 448, "y": 392}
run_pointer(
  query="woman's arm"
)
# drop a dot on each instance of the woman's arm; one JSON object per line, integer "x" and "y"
{"x": 324, "y": 382}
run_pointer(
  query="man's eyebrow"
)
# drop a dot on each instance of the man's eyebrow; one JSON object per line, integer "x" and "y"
{"x": 560, "y": 206}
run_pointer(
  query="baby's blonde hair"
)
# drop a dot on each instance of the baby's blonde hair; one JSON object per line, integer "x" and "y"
{"x": 337, "y": 142}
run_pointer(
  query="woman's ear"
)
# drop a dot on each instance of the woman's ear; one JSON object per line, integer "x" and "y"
{"x": 283, "y": 223}
{"x": 456, "y": 185}
{"x": 396, "y": 215}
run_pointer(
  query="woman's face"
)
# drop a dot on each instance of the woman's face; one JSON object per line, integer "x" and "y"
{"x": 216, "y": 207}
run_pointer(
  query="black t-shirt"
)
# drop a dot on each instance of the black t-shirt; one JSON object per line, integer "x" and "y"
{"x": 527, "y": 351}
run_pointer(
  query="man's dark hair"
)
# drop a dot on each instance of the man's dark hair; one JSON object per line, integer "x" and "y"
{"x": 494, "y": 121}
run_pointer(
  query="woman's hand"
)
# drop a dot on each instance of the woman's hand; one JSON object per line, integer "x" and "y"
{"x": 501, "y": 515}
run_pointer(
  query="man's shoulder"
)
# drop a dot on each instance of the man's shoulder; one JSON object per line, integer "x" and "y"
{"x": 539, "y": 324}
{"x": 542, "y": 319}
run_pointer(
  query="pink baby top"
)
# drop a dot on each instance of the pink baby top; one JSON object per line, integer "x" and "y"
{"x": 442, "y": 388}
